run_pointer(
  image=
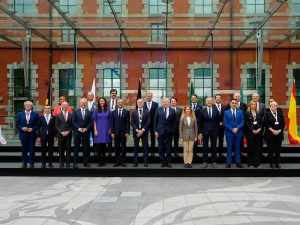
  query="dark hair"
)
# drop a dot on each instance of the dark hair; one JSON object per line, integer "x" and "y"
{"x": 112, "y": 90}
{"x": 233, "y": 99}
{"x": 174, "y": 98}
{"x": 218, "y": 95}
{"x": 100, "y": 109}
{"x": 194, "y": 95}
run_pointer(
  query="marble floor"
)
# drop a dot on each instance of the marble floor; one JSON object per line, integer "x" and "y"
{"x": 147, "y": 201}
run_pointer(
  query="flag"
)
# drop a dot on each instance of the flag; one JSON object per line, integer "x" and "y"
{"x": 292, "y": 119}
{"x": 139, "y": 93}
{"x": 93, "y": 89}
{"x": 192, "y": 91}
{"x": 241, "y": 92}
{"x": 2, "y": 139}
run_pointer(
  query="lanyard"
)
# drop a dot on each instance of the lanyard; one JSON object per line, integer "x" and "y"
{"x": 275, "y": 116}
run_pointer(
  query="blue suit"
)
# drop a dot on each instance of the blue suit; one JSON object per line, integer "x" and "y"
{"x": 233, "y": 140}
{"x": 27, "y": 138}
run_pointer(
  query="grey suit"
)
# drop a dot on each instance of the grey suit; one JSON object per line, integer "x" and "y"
{"x": 94, "y": 107}
{"x": 188, "y": 132}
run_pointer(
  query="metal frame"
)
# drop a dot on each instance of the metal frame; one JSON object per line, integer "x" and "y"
{"x": 263, "y": 22}
{"x": 288, "y": 37}
{"x": 9, "y": 40}
{"x": 70, "y": 22}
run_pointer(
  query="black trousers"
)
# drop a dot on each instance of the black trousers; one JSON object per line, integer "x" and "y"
{"x": 164, "y": 147}
{"x": 47, "y": 146}
{"x": 145, "y": 144}
{"x": 213, "y": 142}
{"x": 152, "y": 139}
{"x": 175, "y": 140}
{"x": 254, "y": 149}
{"x": 84, "y": 140}
{"x": 64, "y": 145}
{"x": 120, "y": 149}
{"x": 274, "y": 147}
{"x": 221, "y": 139}
{"x": 100, "y": 149}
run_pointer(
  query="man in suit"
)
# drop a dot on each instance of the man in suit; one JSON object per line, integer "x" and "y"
{"x": 233, "y": 123}
{"x": 26, "y": 123}
{"x": 63, "y": 126}
{"x": 209, "y": 128}
{"x": 151, "y": 106}
{"x": 140, "y": 122}
{"x": 221, "y": 109}
{"x": 82, "y": 123}
{"x": 112, "y": 106}
{"x": 178, "y": 112}
{"x": 240, "y": 105}
{"x": 197, "y": 109}
{"x": 46, "y": 134}
{"x": 120, "y": 129}
{"x": 164, "y": 127}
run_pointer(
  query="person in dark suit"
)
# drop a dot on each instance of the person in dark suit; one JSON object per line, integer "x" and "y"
{"x": 140, "y": 122}
{"x": 233, "y": 123}
{"x": 178, "y": 112}
{"x": 112, "y": 106}
{"x": 164, "y": 127}
{"x": 120, "y": 129}
{"x": 274, "y": 125}
{"x": 26, "y": 123}
{"x": 221, "y": 109}
{"x": 82, "y": 123}
{"x": 253, "y": 133}
{"x": 151, "y": 106}
{"x": 240, "y": 105}
{"x": 63, "y": 126}
{"x": 209, "y": 128}
{"x": 196, "y": 109}
{"x": 46, "y": 134}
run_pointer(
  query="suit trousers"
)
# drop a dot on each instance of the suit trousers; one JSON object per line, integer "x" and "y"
{"x": 120, "y": 149}
{"x": 84, "y": 140}
{"x": 28, "y": 145}
{"x": 274, "y": 150}
{"x": 233, "y": 142}
{"x": 254, "y": 149}
{"x": 145, "y": 144}
{"x": 47, "y": 146}
{"x": 64, "y": 145}
{"x": 100, "y": 149}
{"x": 152, "y": 139}
{"x": 164, "y": 147}
{"x": 221, "y": 139}
{"x": 213, "y": 142}
{"x": 175, "y": 140}
{"x": 188, "y": 147}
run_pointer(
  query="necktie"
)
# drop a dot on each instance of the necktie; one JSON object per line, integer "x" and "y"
{"x": 194, "y": 107}
{"x": 149, "y": 106}
{"x": 83, "y": 114}
{"x": 233, "y": 115}
{"x": 140, "y": 118}
{"x": 120, "y": 113}
{"x": 165, "y": 112}
{"x": 112, "y": 104}
{"x": 65, "y": 116}
{"x": 219, "y": 107}
{"x": 27, "y": 117}
{"x": 47, "y": 118}
{"x": 209, "y": 112}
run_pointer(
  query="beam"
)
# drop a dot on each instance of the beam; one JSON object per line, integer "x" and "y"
{"x": 263, "y": 22}
{"x": 288, "y": 37}
{"x": 10, "y": 40}
{"x": 118, "y": 22}
{"x": 25, "y": 24}
{"x": 70, "y": 22}
{"x": 214, "y": 23}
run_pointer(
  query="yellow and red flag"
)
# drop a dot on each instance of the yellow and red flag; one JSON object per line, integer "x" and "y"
{"x": 292, "y": 127}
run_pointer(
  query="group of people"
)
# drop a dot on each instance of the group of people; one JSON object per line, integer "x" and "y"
{"x": 105, "y": 121}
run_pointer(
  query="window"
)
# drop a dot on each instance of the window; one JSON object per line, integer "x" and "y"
{"x": 295, "y": 6}
{"x": 255, "y": 6}
{"x": 67, "y": 34}
{"x": 203, "y": 7}
{"x": 117, "y": 5}
{"x": 19, "y": 82}
{"x": 254, "y": 83}
{"x": 67, "y": 84}
{"x": 202, "y": 83}
{"x": 22, "y": 6}
{"x": 297, "y": 27}
{"x": 157, "y": 35}
{"x": 111, "y": 79}
{"x": 296, "y": 74}
{"x": 158, "y": 83}
{"x": 157, "y": 7}
{"x": 68, "y": 6}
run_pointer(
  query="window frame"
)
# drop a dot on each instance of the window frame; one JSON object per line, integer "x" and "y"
{"x": 255, "y": 6}
{"x": 106, "y": 89}
{"x": 202, "y": 77}
{"x": 204, "y": 5}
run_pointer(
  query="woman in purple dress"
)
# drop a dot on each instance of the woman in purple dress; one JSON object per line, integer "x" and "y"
{"x": 102, "y": 136}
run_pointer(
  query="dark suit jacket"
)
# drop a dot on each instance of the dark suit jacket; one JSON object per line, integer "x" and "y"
{"x": 43, "y": 127}
{"x": 249, "y": 123}
{"x": 152, "y": 111}
{"x": 229, "y": 122}
{"x": 163, "y": 125}
{"x": 120, "y": 127}
{"x": 62, "y": 125}
{"x": 209, "y": 124}
{"x": 221, "y": 113}
{"x": 78, "y": 122}
{"x": 178, "y": 112}
{"x": 269, "y": 122}
{"x": 21, "y": 122}
{"x": 197, "y": 114}
{"x": 146, "y": 121}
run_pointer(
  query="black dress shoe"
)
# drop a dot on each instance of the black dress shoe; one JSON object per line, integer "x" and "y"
{"x": 176, "y": 154}
{"x": 50, "y": 165}
{"x": 116, "y": 165}
{"x": 43, "y": 166}
{"x": 228, "y": 165}
{"x": 109, "y": 154}
{"x": 152, "y": 155}
{"x": 123, "y": 165}
{"x": 24, "y": 166}
{"x": 271, "y": 165}
{"x": 163, "y": 165}
{"x": 67, "y": 165}
{"x": 75, "y": 166}
{"x": 145, "y": 164}
{"x": 278, "y": 166}
{"x": 61, "y": 165}
{"x": 169, "y": 165}
{"x": 190, "y": 166}
{"x": 86, "y": 165}
{"x": 135, "y": 165}
{"x": 185, "y": 165}
{"x": 239, "y": 165}
{"x": 31, "y": 166}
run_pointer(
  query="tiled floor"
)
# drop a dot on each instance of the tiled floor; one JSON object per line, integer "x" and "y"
{"x": 133, "y": 201}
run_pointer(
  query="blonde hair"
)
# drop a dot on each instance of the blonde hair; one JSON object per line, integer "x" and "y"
{"x": 249, "y": 104}
{"x": 183, "y": 114}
